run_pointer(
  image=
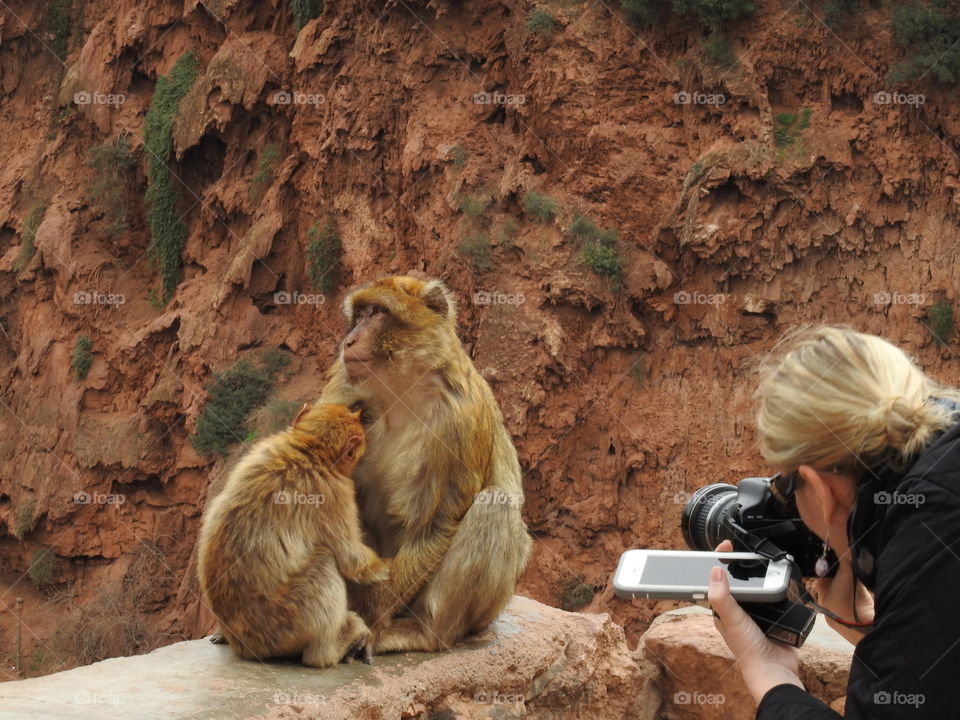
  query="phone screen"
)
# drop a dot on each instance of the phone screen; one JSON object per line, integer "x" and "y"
{"x": 695, "y": 571}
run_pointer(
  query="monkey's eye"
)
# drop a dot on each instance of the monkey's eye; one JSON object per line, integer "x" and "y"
{"x": 374, "y": 310}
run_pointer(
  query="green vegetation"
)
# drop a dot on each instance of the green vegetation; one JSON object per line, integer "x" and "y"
{"x": 540, "y": 22}
{"x": 324, "y": 252}
{"x": 719, "y": 48}
{"x": 473, "y": 206}
{"x": 477, "y": 248}
{"x": 941, "y": 322}
{"x": 24, "y": 518}
{"x": 929, "y": 31}
{"x": 598, "y": 248}
{"x": 234, "y": 394}
{"x": 715, "y": 14}
{"x": 58, "y": 23}
{"x": 111, "y": 163}
{"x": 638, "y": 371}
{"x": 837, "y": 14}
{"x": 507, "y": 232}
{"x": 28, "y": 238}
{"x": 304, "y": 11}
{"x": 645, "y": 12}
{"x": 43, "y": 567}
{"x": 788, "y": 127}
{"x": 82, "y": 358}
{"x": 458, "y": 156}
{"x": 167, "y": 233}
{"x": 575, "y": 594}
{"x": 541, "y": 207}
{"x": 264, "y": 175}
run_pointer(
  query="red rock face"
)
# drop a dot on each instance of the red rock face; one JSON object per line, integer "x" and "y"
{"x": 385, "y": 119}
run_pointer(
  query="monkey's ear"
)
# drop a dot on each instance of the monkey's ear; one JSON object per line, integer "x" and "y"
{"x": 436, "y": 297}
{"x": 350, "y": 446}
{"x": 303, "y": 411}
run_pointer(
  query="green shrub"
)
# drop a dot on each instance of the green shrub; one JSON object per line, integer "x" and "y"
{"x": 603, "y": 260}
{"x": 324, "y": 253}
{"x": 837, "y": 14}
{"x": 941, "y": 324}
{"x": 24, "y": 518}
{"x": 542, "y": 207}
{"x": 638, "y": 371}
{"x": 304, "y": 11}
{"x": 43, "y": 567}
{"x": 82, "y": 357}
{"x": 111, "y": 162}
{"x": 458, "y": 156}
{"x": 575, "y": 594}
{"x": 167, "y": 233}
{"x": 28, "y": 238}
{"x": 719, "y": 49}
{"x": 583, "y": 228}
{"x": 788, "y": 126}
{"x": 234, "y": 394}
{"x": 473, "y": 207}
{"x": 58, "y": 23}
{"x": 715, "y": 14}
{"x": 507, "y": 232}
{"x": 540, "y": 22}
{"x": 929, "y": 32}
{"x": 273, "y": 417}
{"x": 644, "y": 12}
{"x": 264, "y": 174}
{"x": 477, "y": 248}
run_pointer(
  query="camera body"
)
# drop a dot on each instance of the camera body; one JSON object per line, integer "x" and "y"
{"x": 749, "y": 514}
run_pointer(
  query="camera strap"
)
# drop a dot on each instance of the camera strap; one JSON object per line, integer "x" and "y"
{"x": 799, "y": 593}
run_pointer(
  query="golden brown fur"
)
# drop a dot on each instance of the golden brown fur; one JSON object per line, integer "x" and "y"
{"x": 278, "y": 541}
{"x": 439, "y": 486}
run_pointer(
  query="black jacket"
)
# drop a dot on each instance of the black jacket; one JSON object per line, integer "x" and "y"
{"x": 908, "y": 666}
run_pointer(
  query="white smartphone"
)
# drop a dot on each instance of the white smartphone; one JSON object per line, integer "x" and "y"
{"x": 685, "y": 574}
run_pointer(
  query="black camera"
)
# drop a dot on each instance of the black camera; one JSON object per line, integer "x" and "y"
{"x": 757, "y": 512}
{"x": 760, "y": 515}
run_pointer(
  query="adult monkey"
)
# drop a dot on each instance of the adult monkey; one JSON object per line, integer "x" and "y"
{"x": 439, "y": 486}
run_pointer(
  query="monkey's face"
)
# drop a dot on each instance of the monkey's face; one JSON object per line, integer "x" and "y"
{"x": 364, "y": 347}
{"x": 400, "y": 327}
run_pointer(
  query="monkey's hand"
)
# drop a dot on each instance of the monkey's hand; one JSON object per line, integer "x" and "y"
{"x": 377, "y": 571}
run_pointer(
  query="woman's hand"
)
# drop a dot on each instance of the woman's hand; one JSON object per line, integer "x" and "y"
{"x": 764, "y": 663}
{"x": 837, "y": 595}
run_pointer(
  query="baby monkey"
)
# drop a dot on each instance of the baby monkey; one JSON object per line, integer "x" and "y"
{"x": 277, "y": 543}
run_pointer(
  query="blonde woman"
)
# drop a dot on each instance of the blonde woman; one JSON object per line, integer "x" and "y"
{"x": 874, "y": 445}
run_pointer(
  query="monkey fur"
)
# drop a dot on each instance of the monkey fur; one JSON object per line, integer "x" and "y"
{"x": 439, "y": 486}
{"x": 277, "y": 543}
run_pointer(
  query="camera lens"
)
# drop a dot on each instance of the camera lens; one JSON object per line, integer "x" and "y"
{"x": 703, "y": 516}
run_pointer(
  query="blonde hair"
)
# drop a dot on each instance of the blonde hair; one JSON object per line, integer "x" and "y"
{"x": 841, "y": 399}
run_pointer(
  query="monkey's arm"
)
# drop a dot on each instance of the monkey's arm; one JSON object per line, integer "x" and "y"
{"x": 414, "y": 564}
{"x": 354, "y": 559}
